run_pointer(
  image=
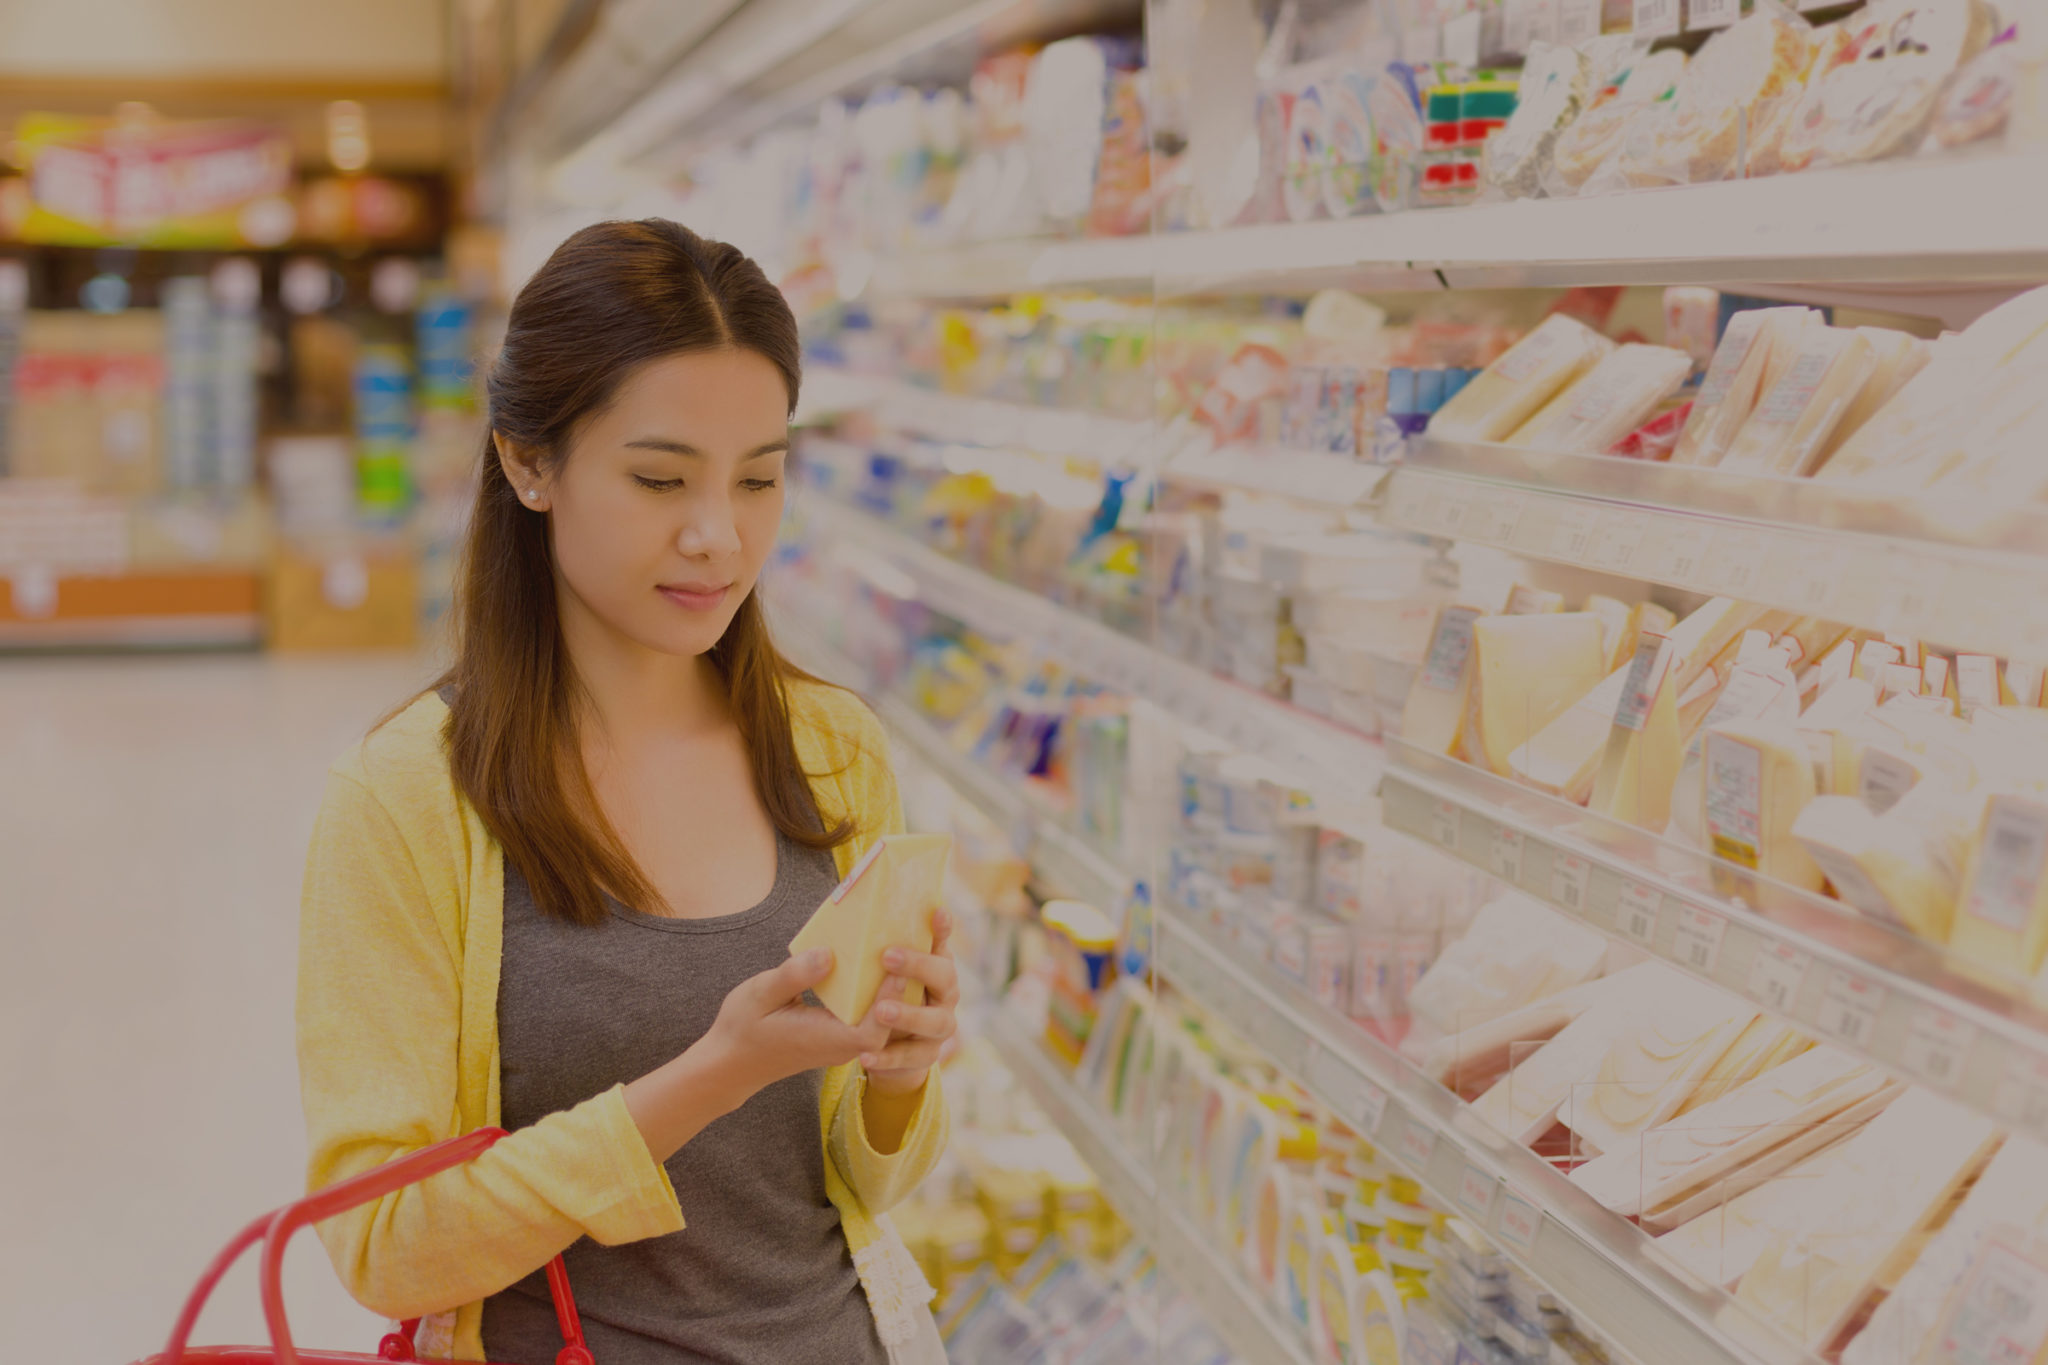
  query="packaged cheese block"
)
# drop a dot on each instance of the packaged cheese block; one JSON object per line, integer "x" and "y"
{"x": 1518, "y": 950}
{"x": 1722, "y": 1243}
{"x": 1434, "y": 718}
{"x": 1977, "y": 682}
{"x": 1617, "y": 629}
{"x": 1734, "y": 381}
{"x": 1755, "y": 780}
{"x": 1524, "y": 1104}
{"x": 1650, "y": 1070}
{"x": 1471, "y": 1059}
{"x": 1883, "y": 867}
{"x": 1795, "y": 418}
{"x": 886, "y": 901}
{"x": 2002, "y": 918}
{"x": 2022, "y": 683}
{"x": 1753, "y": 693}
{"x": 1595, "y": 137}
{"x": 1613, "y": 399}
{"x": 1674, "y": 1157}
{"x": 2006, "y": 1208}
{"x": 1553, "y": 87}
{"x": 1530, "y": 669}
{"x": 1528, "y": 601}
{"x": 1900, "y": 356}
{"x": 1644, "y": 748}
{"x": 1861, "y": 1222}
{"x": 1529, "y": 374}
{"x": 1766, "y": 1043}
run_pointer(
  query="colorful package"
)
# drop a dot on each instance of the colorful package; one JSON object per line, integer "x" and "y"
{"x": 886, "y": 901}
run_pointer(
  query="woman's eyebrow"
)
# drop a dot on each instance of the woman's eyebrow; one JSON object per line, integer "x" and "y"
{"x": 662, "y": 443}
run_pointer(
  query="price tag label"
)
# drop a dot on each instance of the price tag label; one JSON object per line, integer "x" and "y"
{"x": 1476, "y": 1190}
{"x": 1519, "y": 1221}
{"x": 1937, "y": 1046}
{"x": 1517, "y": 26}
{"x": 1418, "y": 1145}
{"x": 1569, "y": 874}
{"x": 1776, "y": 975}
{"x": 1577, "y": 20}
{"x": 1461, "y": 38}
{"x": 1698, "y": 944}
{"x": 1736, "y": 561}
{"x": 1811, "y": 571}
{"x": 1656, "y": 18}
{"x": 1684, "y": 548}
{"x": 1362, "y": 1103}
{"x": 1572, "y": 535}
{"x": 2022, "y": 1098}
{"x": 1618, "y": 540}
{"x": 1848, "y": 1011}
{"x": 1450, "y": 513}
{"x": 1505, "y": 855}
{"x": 1443, "y": 824}
{"x": 2001, "y": 1309}
{"x": 1495, "y": 518}
{"x": 1918, "y": 592}
{"x": 1709, "y": 14}
{"x": 1635, "y": 913}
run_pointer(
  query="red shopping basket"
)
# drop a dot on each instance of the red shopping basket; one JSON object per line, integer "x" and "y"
{"x": 276, "y": 1228}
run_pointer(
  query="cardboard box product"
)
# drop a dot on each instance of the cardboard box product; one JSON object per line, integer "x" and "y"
{"x": 886, "y": 901}
{"x": 343, "y": 597}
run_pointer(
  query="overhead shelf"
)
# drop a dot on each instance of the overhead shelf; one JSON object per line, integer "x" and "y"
{"x": 1596, "y": 1262}
{"x": 1897, "y": 1000}
{"x": 1342, "y": 763}
{"x": 979, "y": 421}
{"x": 988, "y": 270}
{"x": 1187, "y": 1255}
{"x": 1928, "y": 568}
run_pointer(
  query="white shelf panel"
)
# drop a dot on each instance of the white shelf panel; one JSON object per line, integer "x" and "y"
{"x": 1342, "y": 763}
{"x": 991, "y": 270}
{"x": 1927, "y": 568}
{"x": 1187, "y": 1255}
{"x": 1593, "y": 1260}
{"x": 1964, "y": 219}
{"x": 1897, "y": 1000}
{"x": 1300, "y": 475}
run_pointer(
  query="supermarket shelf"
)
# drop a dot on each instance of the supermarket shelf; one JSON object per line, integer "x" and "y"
{"x": 1929, "y": 568}
{"x": 991, "y": 270}
{"x": 1961, "y": 221}
{"x": 1341, "y": 762}
{"x": 1899, "y": 1001}
{"x": 1301, "y": 475}
{"x": 228, "y": 630}
{"x": 984, "y": 421}
{"x": 1596, "y": 1262}
{"x": 1187, "y": 1255}
{"x": 1063, "y": 861}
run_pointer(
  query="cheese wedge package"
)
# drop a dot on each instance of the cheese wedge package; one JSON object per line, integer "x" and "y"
{"x": 1645, "y": 747}
{"x": 1613, "y": 398}
{"x": 1650, "y": 1069}
{"x": 1797, "y": 416}
{"x": 1525, "y": 1102}
{"x": 1530, "y": 670}
{"x": 1899, "y": 357}
{"x": 1434, "y": 717}
{"x": 2002, "y": 918}
{"x": 886, "y": 901}
{"x": 1735, "y": 380}
{"x": 1528, "y": 374}
{"x": 1755, "y": 780}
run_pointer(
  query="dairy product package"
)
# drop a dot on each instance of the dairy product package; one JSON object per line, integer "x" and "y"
{"x": 1757, "y": 59}
{"x": 1644, "y": 749}
{"x": 1651, "y": 1069}
{"x": 1756, "y": 778}
{"x": 886, "y": 901}
{"x": 2002, "y": 917}
{"x": 1518, "y": 950}
{"x": 1735, "y": 380}
{"x": 1509, "y": 391}
{"x": 1594, "y": 139}
{"x": 1525, "y": 1103}
{"x": 1796, "y": 417}
{"x": 1979, "y": 100}
{"x": 1530, "y": 669}
{"x": 1553, "y": 87}
{"x": 1899, "y": 868}
{"x": 1439, "y": 699}
{"x": 1900, "y": 356}
{"x": 1609, "y": 402}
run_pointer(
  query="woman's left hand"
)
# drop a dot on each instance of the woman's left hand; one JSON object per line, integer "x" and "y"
{"x": 916, "y": 1032}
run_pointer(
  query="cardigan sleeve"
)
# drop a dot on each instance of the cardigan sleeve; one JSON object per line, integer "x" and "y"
{"x": 379, "y": 1016}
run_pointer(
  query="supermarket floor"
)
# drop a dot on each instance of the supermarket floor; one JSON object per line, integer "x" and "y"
{"x": 153, "y": 823}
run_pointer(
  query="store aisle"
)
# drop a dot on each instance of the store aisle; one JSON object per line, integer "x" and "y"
{"x": 153, "y": 822}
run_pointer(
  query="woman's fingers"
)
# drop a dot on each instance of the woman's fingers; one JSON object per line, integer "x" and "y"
{"x": 919, "y": 1021}
{"x": 934, "y": 971}
{"x": 912, "y": 1054}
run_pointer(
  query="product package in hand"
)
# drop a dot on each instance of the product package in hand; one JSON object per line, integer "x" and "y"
{"x": 887, "y": 901}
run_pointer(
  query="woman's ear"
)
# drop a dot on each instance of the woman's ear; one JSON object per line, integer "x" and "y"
{"x": 522, "y": 472}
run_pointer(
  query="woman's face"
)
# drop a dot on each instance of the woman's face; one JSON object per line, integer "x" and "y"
{"x": 668, "y": 503}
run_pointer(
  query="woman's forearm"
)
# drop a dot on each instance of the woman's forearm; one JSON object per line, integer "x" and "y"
{"x": 886, "y": 1111}
{"x": 682, "y": 1098}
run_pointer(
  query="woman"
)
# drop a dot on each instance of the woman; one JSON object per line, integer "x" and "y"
{"x": 556, "y": 893}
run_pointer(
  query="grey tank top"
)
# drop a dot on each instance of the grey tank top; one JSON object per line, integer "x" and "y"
{"x": 761, "y": 1274}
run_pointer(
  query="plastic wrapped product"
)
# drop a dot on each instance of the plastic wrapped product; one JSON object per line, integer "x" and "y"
{"x": 1395, "y": 103}
{"x": 1796, "y": 417}
{"x": 1066, "y": 101}
{"x": 1892, "y": 870}
{"x": 1759, "y": 58}
{"x": 1517, "y": 951}
{"x": 1530, "y": 669}
{"x": 1610, "y": 401}
{"x": 1308, "y": 155}
{"x": 1756, "y": 779}
{"x": 1354, "y": 151}
{"x": 1790, "y": 130}
{"x": 1735, "y": 380}
{"x": 1979, "y": 101}
{"x": 1554, "y": 81}
{"x": 1596, "y": 135}
{"x": 1655, "y": 439}
{"x": 1899, "y": 357}
{"x": 886, "y": 900}
{"x": 1532, "y": 372}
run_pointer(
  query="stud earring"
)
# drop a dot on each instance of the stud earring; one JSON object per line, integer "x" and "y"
{"x": 532, "y": 494}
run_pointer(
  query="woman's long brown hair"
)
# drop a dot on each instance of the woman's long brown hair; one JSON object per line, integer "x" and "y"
{"x": 612, "y": 297}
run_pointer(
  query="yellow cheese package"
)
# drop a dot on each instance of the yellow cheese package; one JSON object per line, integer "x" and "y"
{"x": 1796, "y": 419}
{"x": 1614, "y": 398}
{"x": 886, "y": 901}
{"x": 1529, "y": 374}
{"x": 1735, "y": 380}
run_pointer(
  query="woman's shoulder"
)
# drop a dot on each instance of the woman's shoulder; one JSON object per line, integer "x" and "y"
{"x": 405, "y": 757}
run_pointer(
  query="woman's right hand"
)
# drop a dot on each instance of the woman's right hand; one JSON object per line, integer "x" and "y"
{"x": 765, "y": 1031}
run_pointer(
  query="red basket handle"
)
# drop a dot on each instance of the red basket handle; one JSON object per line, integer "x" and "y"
{"x": 275, "y": 1230}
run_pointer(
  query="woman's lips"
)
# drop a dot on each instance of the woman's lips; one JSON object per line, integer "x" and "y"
{"x": 694, "y": 596}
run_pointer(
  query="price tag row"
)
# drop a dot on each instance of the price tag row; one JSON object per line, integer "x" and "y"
{"x": 1905, "y": 1029}
{"x": 1957, "y": 596}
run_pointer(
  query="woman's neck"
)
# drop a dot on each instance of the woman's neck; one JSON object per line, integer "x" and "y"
{"x": 631, "y": 692}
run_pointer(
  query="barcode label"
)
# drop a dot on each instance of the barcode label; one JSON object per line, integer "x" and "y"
{"x": 1706, "y": 14}
{"x": 1450, "y": 646}
{"x": 2009, "y": 868}
{"x": 1573, "y": 534}
{"x": 1849, "y": 1010}
{"x": 1506, "y": 854}
{"x": 1568, "y": 876}
{"x": 1644, "y": 677}
{"x": 1698, "y": 944}
{"x": 1635, "y": 914}
{"x": 1443, "y": 824}
{"x": 1937, "y": 1045}
{"x": 1776, "y": 974}
{"x": 1656, "y": 18}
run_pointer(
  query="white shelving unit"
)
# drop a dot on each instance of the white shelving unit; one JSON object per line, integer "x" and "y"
{"x": 1957, "y": 574}
{"x": 1187, "y": 1254}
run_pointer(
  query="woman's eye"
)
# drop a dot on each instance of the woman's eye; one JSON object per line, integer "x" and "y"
{"x": 658, "y": 485}
{"x": 758, "y": 485}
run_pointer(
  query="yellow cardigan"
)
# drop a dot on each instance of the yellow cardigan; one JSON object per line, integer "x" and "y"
{"x": 401, "y": 934}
